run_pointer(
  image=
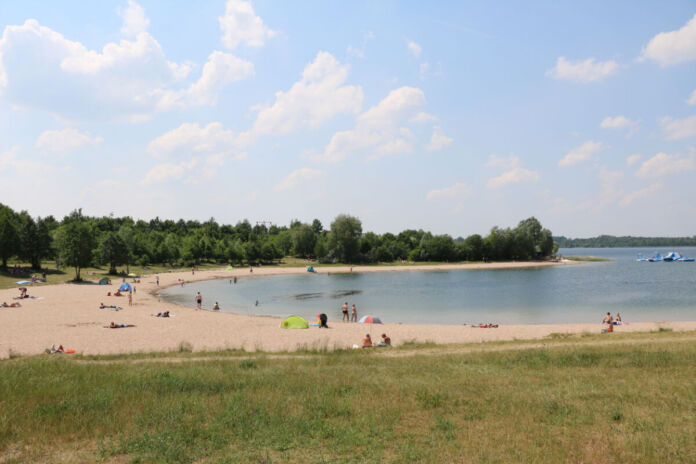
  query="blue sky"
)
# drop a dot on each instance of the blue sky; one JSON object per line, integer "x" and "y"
{"x": 452, "y": 116}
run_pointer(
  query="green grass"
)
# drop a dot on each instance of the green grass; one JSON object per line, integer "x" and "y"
{"x": 572, "y": 401}
{"x": 90, "y": 274}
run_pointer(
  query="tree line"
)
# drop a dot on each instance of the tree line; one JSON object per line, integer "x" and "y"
{"x": 610, "y": 241}
{"x": 79, "y": 241}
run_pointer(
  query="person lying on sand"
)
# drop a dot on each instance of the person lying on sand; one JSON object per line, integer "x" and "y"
{"x": 367, "y": 341}
{"x": 386, "y": 341}
{"x": 118, "y": 292}
{"x": 103, "y": 306}
{"x": 113, "y": 325}
{"x": 164, "y": 314}
{"x": 11, "y": 305}
{"x": 486, "y": 326}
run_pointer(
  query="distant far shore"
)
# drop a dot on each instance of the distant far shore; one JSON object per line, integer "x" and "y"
{"x": 69, "y": 314}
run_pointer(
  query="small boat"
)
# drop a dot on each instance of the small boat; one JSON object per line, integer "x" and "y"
{"x": 656, "y": 257}
{"x": 641, "y": 257}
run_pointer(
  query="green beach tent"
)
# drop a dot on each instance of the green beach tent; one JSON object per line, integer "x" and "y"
{"x": 294, "y": 322}
{"x": 230, "y": 268}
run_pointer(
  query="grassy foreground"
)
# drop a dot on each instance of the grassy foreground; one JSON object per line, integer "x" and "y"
{"x": 630, "y": 398}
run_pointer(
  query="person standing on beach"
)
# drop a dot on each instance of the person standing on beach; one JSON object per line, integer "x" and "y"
{"x": 199, "y": 300}
{"x": 353, "y": 313}
{"x": 157, "y": 280}
{"x": 609, "y": 321}
{"x": 130, "y": 299}
{"x": 344, "y": 309}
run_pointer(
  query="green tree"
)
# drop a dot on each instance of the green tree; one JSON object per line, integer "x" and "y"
{"x": 9, "y": 235}
{"x": 127, "y": 236}
{"x": 344, "y": 238}
{"x": 75, "y": 241}
{"x": 303, "y": 239}
{"x": 35, "y": 240}
{"x": 113, "y": 251}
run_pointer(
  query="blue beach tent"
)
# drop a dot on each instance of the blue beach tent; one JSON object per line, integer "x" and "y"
{"x": 125, "y": 287}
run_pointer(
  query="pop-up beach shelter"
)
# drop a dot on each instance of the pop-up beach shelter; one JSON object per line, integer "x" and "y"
{"x": 294, "y": 322}
{"x": 125, "y": 287}
{"x": 370, "y": 320}
{"x": 105, "y": 281}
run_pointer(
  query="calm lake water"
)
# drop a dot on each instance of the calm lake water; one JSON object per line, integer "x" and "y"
{"x": 641, "y": 291}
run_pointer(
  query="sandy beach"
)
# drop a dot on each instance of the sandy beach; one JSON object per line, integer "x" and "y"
{"x": 69, "y": 314}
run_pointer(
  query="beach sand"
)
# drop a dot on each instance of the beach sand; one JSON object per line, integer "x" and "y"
{"x": 69, "y": 314}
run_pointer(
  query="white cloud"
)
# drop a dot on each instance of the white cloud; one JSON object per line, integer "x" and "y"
{"x": 126, "y": 80}
{"x": 692, "y": 98}
{"x": 423, "y": 117}
{"x": 378, "y": 131}
{"x": 414, "y": 48}
{"x": 679, "y": 128}
{"x": 134, "y": 20}
{"x": 168, "y": 171}
{"x": 673, "y": 47}
{"x": 313, "y": 100}
{"x": 514, "y": 176}
{"x": 499, "y": 162}
{"x": 642, "y": 193}
{"x": 360, "y": 52}
{"x": 663, "y": 164}
{"x": 423, "y": 70}
{"x": 514, "y": 172}
{"x": 582, "y": 153}
{"x": 633, "y": 159}
{"x": 438, "y": 140}
{"x": 582, "y": 71}
{"x": 190, "y": 138}
{"x": 220, "y": 70}
{"x": 298, "y": 176}
{"x": 240, "y": 24}
{"x": 617, "y": 122}
{"x": 457, "y": 190}
{"x": 64, "y": 141}
{"x": 11, "y": 160}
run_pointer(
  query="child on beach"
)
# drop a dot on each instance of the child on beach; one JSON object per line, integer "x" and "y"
{"x": 353, "y": 314}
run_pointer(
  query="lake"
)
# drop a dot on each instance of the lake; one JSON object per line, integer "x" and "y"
{"x": 640, "y": 291}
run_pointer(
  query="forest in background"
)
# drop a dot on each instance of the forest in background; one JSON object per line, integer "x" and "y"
{"x": 79, "y": 241}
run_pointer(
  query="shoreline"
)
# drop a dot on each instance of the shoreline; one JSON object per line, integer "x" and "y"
{"x": 69, "y": 314}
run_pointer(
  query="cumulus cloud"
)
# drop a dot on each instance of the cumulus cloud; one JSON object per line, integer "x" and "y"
{"x": 423, "y": 117}
{"x": 134, "y": 20}
{"x": 168, "y": 171}
{"x": 499, "y": 162}
{"x": 673, "y": 47}
{"x": 588, "y": 70}
{"x": 676, "y": 129}
{"x": 11, "y": 162}
{"x": 513, "y": 176}
{"x": 241, "y": 25}
{"x": 220, "y": 70}
{"x": 298, "y": 176}
{"x": 126, "y": 80}
{"x": 414, "y": 48}
{"x": 642, "y": 193}
{"x": 582, "y": 153}
{"x": 617, "y": 122}
{"x": 379, "y": 130}
{"x": 663, "y": 164}
{"x": 65, "y": 141}
{"x": 313, "y": 100}
{"x": 514, "y": 172}
{"x": 438, "y": 140}
{"x": 633, "y": 159}
{"x": 190, "y": 138}
{"x": 457, "y": 190}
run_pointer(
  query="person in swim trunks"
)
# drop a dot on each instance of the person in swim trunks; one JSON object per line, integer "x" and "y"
{"x": 344, "y": 308}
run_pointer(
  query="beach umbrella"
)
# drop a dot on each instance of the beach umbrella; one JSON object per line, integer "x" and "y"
{"x": 132, "y": 275}
{"x": 370, "y": 320}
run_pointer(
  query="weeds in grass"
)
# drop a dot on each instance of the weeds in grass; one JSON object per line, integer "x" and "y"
{"x": 185, "y": 347}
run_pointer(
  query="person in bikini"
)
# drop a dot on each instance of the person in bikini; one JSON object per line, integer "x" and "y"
{"x": 344, "y": 309}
